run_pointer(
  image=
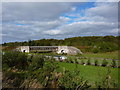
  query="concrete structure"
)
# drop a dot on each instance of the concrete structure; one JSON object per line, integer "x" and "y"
{"x": 58, "y": 49}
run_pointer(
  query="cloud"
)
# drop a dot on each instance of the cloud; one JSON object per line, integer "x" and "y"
{"x": 102, "y": 19}
{"x": 93, "y": 28}
{"x": 53, "y": 32}
{"x": 107, "y": 11}
{"x": 24, "y": 21}
{"x": 33, "y": 11}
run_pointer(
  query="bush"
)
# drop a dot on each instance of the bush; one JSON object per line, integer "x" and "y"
{"x": 67, "y": 60}
{"x": 76, "y": 61}
{"x": 95, "y": 50}
{"x": 37, "y": 62}
{"x": 113, "y": 63}
{"x": 88, "y": 62}
{"x": 95, "y": 62}
{"x": 82, "y": 62}
{"x": 15, "y": 59}
{"x": 107, "y": 82}
{"x": 104, "y": 63}
{"x": 71, "y": 61}
{"x": 108, "y": 46}
{"x": 43, "y": 70}
{"x": 71, "y": 79}
{"x": 13, "y": 79}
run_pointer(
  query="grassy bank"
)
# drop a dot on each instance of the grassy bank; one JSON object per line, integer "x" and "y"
{"x": 112, "y": 55}
{"x": 91, "y": 73}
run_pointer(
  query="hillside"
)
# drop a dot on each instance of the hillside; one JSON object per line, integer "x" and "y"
{"x": 86, "y": 44}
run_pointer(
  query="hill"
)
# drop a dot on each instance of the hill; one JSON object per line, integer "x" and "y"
{"x": 86, "y": 44}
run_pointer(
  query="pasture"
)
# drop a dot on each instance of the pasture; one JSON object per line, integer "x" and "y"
{"x": 91, "y": 73}
{"x": 96, "y": 70}
{"x": 112, "y": 55}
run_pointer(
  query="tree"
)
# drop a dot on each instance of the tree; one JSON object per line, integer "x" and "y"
{"x": 15, "y": 59}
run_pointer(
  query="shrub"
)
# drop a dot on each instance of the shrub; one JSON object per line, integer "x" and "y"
{"x": 82, "y": 62}
{"x": 113, "y": 63}
{"x": 71, "y": 79}
{"x": 95, "y": 50}
{"x": 88, "y": 62}
{"x": 43, "y": 70}
{"x": 13, "y": 79}
{"x": 71, "y": 61}
{"x": 37, "y": 62}
{"x": 15, "y": 59}
{"x": 47, "y": 73}
{"x": 104, "y": 63}
{"x": 107, "y": 82}
{"x": 76, "y": 61}
{"x": 95, "y": 62}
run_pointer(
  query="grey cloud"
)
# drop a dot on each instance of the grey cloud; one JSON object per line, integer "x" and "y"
{"x": 36, "y": 17}
{"x": 107, "y": 11}
{"x": 33, "y": 11}
{"x": 24, "y": 21}
{"x": 83, "y": 28}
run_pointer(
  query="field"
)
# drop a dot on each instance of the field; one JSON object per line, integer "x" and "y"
{"x": 109, "y": 55}
{"x": 91, "y": 73}
{"x": 94, "y": 73}
{"x": 36, "y": 66}
{"x": 112, "y": 55}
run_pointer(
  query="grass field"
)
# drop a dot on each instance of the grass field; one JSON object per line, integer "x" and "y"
{"x": 91, "y": 73}
{"x": 112, "y": 55}
{"x": 91, "y": 56}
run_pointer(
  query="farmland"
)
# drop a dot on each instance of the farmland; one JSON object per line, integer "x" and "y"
{"x": 112, "y": 55}
{"x": 42, "y": 71}
{"x": 97, "y": 67}
{"x": 91, "y": 73}
{"x": 68, "y": 44}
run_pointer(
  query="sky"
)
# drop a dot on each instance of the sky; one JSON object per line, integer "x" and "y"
{"x": 23, "y": 21}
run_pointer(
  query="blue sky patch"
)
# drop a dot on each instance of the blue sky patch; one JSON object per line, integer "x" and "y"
{"x": 19, "y": 24}
{"x": 79, "y": 12}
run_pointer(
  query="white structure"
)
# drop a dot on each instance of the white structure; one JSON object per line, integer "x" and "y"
{"x": 24, "y": 49}
{"x": 58, "y": 49}
{"x": 62, "y": 49}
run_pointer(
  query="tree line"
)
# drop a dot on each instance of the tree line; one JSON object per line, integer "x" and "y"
{"x": 86, "y": 44}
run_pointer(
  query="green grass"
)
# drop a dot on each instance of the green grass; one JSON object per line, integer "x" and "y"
{"x": 112, "y": 55}
{"x": 90, "y": 73}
